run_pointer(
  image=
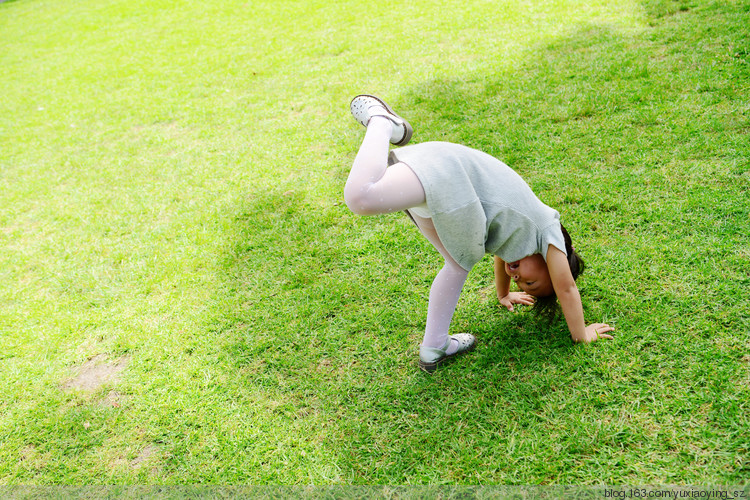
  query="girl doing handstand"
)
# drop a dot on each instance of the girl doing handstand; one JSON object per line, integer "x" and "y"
{"x": 466, "y": 203}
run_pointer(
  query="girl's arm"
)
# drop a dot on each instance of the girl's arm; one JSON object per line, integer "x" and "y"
{"x": 570, "y": 299}
{"x": 502, "y": 286}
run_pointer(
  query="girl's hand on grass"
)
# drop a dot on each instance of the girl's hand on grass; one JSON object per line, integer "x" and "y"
{"x": 522, "y": 298}
{"x": 597, "y": 331}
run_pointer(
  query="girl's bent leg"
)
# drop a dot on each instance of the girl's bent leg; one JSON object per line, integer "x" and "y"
{"x": 444, "y": 293}
{"x": 374, "y": 188}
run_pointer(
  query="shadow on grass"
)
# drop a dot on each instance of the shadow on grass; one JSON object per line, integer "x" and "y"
{"x": 621, "y": 136}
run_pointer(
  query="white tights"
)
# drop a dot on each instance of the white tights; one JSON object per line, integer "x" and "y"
{"x": 374, "y": 188}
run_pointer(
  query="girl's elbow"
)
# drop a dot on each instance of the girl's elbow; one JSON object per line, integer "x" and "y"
{"x": 568, "y": 292}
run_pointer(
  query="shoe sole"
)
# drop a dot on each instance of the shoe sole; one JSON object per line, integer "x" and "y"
{"x": 434, "y": 365}
{"x": 408, "y": 130}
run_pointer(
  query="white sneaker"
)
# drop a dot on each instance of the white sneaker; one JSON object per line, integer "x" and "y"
{"x": 364, "y": 107}
{"x": 432, "y": 357}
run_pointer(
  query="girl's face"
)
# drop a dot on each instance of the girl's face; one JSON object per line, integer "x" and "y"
{"x": 531, "y": 275}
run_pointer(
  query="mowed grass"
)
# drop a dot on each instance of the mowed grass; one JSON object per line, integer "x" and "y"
{"x": 171, "y": 215}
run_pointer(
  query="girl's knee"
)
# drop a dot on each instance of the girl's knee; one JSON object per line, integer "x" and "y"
{"x": 451, "y": 266}
{"x": 359, "y": 202}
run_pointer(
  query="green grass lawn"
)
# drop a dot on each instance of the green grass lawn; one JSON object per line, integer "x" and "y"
{"x": 172, "y": 229}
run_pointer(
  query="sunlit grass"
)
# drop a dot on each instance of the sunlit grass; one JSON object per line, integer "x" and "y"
{"x": 171, "y": 179}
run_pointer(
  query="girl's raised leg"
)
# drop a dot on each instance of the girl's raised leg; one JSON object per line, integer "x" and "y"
{"x": 373, "y": 187}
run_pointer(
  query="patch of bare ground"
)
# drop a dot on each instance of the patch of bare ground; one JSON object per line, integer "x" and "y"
{"x": 96, "y": 372}
{"x": 144, "y": 456}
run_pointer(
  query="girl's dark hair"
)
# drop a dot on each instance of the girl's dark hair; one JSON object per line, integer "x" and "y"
{"x": 547, "y": 307}
{"x": 574, "y": 260}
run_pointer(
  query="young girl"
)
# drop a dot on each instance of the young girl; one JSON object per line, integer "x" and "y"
{"x": 466, "y": 203}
